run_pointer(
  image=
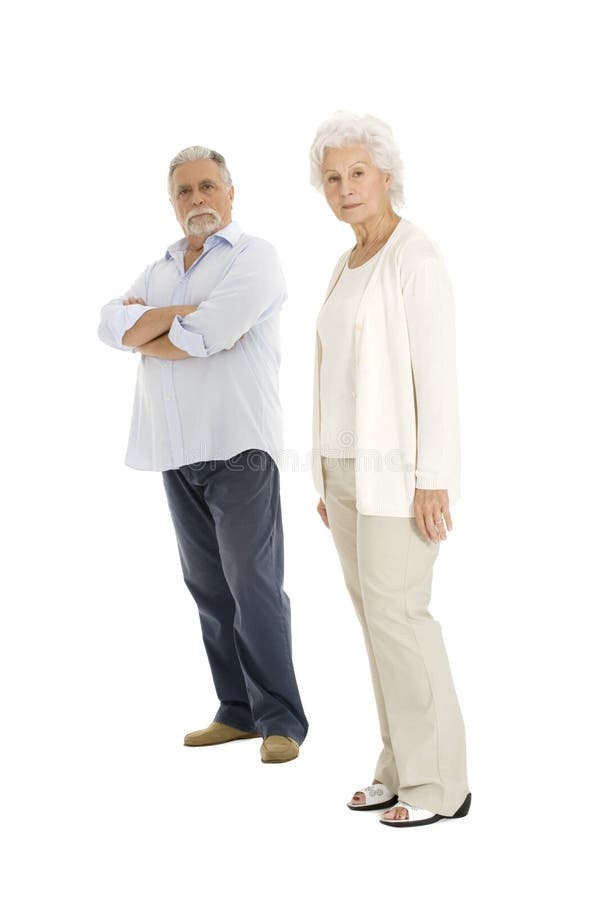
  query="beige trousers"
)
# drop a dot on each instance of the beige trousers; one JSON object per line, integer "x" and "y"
{"x": 388, "y": 571}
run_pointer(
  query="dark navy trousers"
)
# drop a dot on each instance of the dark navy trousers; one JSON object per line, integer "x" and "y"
{"x": 227, "y": 518}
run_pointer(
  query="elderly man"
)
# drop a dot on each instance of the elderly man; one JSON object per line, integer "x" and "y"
{"x": 205, "y": 321}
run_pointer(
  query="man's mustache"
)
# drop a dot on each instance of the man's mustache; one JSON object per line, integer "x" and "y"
{"x": 205, "y": 211}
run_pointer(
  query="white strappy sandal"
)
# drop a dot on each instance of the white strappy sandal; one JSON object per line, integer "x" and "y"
{"x": 419, "y": 816}
{"x": 377, "y": 796}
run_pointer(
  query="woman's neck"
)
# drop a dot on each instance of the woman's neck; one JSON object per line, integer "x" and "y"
{"x": 375, "y": 230}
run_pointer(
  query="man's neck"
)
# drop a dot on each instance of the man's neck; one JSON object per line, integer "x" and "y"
{"x": 195, "y": 244}
{"x": 191, "y": 254}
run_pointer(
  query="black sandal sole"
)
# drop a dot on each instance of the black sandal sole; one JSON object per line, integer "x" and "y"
{"x": 406, "y": 823}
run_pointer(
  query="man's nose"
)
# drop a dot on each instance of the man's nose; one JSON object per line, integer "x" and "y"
{"x": 197, "y": 199}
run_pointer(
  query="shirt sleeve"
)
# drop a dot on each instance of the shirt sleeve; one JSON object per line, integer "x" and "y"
{"x": 430, "y": 313}
{"x": 116, "y": 319}
{"x": 252, "y": 290}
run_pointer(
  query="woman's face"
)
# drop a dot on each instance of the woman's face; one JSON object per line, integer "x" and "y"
{"x": 354, "y": 188}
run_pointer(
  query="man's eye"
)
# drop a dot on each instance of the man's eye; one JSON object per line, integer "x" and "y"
{"x": 183, "y": 191}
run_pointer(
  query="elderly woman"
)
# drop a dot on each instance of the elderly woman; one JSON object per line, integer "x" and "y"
{"x": 386, "y": 462}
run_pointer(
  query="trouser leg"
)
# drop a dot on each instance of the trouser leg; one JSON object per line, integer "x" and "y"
{"x": 244, "y": 500}
{"x": 425, "y": 722}
{"x": 340, "y": 495}
{"x": 203, "y": 574}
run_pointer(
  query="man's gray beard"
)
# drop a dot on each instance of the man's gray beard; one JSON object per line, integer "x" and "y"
{"x": 204, "y": 224}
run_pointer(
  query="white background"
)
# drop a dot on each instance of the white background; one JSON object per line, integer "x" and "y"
{"x": 494, "y": 107}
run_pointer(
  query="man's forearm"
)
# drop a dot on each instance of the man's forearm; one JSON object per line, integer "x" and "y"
{"x": 163, "y": 348}
{"x": 154, "y": 323}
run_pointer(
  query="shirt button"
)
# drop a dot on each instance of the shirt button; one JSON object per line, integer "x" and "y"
{"x": 353, "y": 393}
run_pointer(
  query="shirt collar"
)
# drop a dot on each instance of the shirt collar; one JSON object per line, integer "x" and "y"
{"x": 230, "y": 233}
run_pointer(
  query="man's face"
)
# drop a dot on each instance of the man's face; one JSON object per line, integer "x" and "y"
{"x": 201, "y": 199}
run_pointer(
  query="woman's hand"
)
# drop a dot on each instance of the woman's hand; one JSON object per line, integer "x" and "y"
{"x": 322, "y": 511}
{"x": 430, "y": 508}
{"x": 134, "y": 300}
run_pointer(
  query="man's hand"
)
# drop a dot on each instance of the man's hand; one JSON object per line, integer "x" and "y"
{"x": 430, "y": 508}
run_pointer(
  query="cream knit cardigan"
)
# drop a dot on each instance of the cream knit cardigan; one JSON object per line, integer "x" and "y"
{"x": 407, "y": 425}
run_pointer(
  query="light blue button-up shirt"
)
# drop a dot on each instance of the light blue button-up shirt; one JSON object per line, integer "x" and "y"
{"x": 224, "y": 398}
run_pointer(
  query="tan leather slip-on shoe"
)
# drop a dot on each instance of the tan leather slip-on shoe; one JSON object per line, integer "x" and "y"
{"x": 278, "y": 749}
{"x": 216, "y": 733}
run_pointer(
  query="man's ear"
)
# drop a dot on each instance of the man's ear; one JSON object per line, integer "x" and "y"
{"x": 231, "y": 193}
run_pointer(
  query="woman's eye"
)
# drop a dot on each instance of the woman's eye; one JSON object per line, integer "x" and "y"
{"x": 332, "y": 178}
{"x": 358, "y": 173}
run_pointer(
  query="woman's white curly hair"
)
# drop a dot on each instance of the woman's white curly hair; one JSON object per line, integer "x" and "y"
{"x": 345, "y": 128}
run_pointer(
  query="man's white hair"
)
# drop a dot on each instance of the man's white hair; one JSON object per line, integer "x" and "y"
{"x": 190, "y": 154}
{"x": 345, "y": 128}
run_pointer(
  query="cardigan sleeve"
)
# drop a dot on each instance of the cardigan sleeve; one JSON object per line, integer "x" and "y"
{"x": 429, "y": 306}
